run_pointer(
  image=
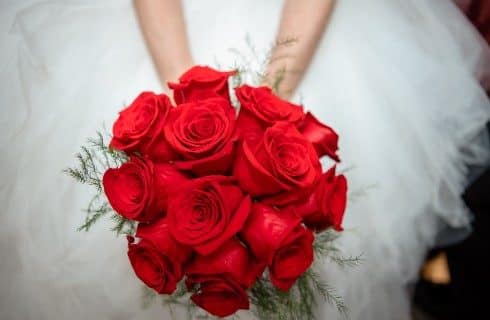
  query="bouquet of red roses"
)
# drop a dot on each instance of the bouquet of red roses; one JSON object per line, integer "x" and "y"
{"x": 221, "y": 204}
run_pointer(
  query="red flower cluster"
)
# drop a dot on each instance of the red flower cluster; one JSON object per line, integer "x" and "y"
{"x": 222, "y": 195}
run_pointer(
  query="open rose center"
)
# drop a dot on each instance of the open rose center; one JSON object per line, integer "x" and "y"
{"x": 205, "y": 217}
{"x": 143, "y": 119}
{"x": 139, "y": 121}
{"x": 203, "y": 210}
{"x": 204, "y": 132}
{"x": 290, "y": 158}
{"x": 201, "y": 128}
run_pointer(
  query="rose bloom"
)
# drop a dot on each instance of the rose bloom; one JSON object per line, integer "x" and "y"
{"x": 203, "y": 135}
{"x": 278, "y": 238}
{"x": 139, "y": 189}
{"x": 207, "y": 212}
{"x": 201, "y": 82}
{"x": 139, "y": 127}
{"x": 261, "y": 108}
{"x": 326, "y": 205}
{"x": 222, "y": 279}
{"x": 157, "y": 259}
{"x": 283, "y": 165}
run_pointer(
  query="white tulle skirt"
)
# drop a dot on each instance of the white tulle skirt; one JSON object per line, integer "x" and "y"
{"x": 398, "y": 79}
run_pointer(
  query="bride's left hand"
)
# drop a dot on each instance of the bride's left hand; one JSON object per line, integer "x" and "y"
{"x": 301, "y": 27}
{"x": 163, "y": 26}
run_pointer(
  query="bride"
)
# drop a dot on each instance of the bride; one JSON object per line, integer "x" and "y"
{"x": 398, "y": 79}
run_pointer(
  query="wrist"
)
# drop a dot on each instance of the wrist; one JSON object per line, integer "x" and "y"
{"x": 281, "y": 76}
{"x": 171, "y": 73}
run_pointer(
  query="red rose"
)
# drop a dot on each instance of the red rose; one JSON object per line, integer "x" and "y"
{"x": 203, "y": 134}
{"x": 157, "y": 259}
{"x": 207, "y": 212}
{"x": 283, "y": 164}
{"x": 324, "y": 139}
{"x": 261, "y": 108}
{"x": 139, "y": 189}
{"x": 139, "y": 127}
{"x": 326, "y": 205}
{"x": 222, "y": 279}
{"x": 279, "y": 239}
{"x": 201, "y": 82}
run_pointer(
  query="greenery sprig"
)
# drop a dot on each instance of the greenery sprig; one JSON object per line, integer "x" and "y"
{"x": 93, "y": 160}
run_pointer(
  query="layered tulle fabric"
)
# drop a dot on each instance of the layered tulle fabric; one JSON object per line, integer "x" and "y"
{"x": 398, "y": 80}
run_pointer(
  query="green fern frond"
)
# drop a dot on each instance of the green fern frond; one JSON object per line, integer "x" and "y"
{"x": 92, "y": 161}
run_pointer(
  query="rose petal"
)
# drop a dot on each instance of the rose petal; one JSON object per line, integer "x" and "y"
{"x": 266, "y": 229}
{"x": 150, "y": 267}
{"x": 159, "y": 235}
{"x": 218, "y": 163}
{"x": 129, "y": 189}
{"x": 232, "y": 259}
{"x": 324, "y": 139}
{"x": 221, "y": 297}
{"x": 157, "y": 146}
{"x": 235, "y": 224}
{"x": 252, "y": 176}
{"x": 167, "y": 180}
{"x": 284, "y": 137}
{"x": 293, "y": 259}
{"x": 157, "y": 258}
{"x": 249, "y": 128}
{"x": 326, "y": 205}
{"x": 201, "y": 82}
{"x": 266, "y": 107}
{"x": 207, "y": 212}
{"x": 338, "y": 202}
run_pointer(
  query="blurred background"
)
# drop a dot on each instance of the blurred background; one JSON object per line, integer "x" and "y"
{"x": 454, "y": 281}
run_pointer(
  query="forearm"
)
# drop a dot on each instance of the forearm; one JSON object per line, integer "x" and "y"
{"x": 163, "y": 26}
{"x": 304, "y": 22}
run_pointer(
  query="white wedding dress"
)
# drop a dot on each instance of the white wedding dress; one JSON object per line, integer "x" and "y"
{"x": 398, "y": 80}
